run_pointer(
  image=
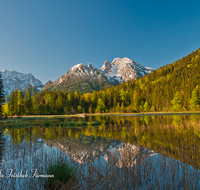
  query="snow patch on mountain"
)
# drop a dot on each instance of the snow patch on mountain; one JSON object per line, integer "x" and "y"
{"x": 79, "y": 73}
{"x": 113, "y": 71}
{"x": 75, "y": 67}
{"x": 90, "y": 66}
{"x": 124, "y": 70}
{"x": 114, "y": 152}
{"x": 13, "y": 79}
{"x": 119, "y": 71}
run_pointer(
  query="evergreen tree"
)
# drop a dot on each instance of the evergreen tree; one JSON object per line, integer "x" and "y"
{"x": 28, "y": 100}
{"x": 194, "y": 101}
{"x": 135, "y": 100}
{"x": 100, "y": 106}
{"x": 122, "y": 94}
{"x": 90, "y": 109}
{"x": 176, "y": 102}
{"x": 20, "y": 103}
{"x": 2, "y": 97}
{"x": 122, "y": 107}
{"x": 170, "y": 87}
{"x": 146, "y": 106}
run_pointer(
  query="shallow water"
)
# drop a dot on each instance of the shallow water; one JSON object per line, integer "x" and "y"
{"x": 115, "y": 143}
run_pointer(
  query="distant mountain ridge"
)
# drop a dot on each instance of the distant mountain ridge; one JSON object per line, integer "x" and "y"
{"x": 47, "y": 84}
{"x": 80, "y": 77}
{"x": 88, "y": 78}
{"x": 124, "y": 69}
{"x": 13, "y": 79}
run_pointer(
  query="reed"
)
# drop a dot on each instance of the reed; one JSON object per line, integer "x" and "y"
{"x": 130, "y": 168}
{"x": 62, "y": 172}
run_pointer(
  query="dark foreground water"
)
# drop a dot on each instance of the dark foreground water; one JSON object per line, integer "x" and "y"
{"x": 109, "y": 152}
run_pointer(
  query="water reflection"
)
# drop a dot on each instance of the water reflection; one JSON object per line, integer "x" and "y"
{"x": 176, "y": 136}
{"x": 2, "y": 142}
{"x": 118, "y": 142}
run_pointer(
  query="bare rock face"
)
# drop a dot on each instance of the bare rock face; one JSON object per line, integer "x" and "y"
{"x": 88, "y": 78}
{"x": 21, "y": 81}
{"x": 90, "y": 66}
{"x": 124, "y": 70}
{"x": 47, "y": 84}
{"x": 106, "y": 67}
{"x": 81, "y": 77}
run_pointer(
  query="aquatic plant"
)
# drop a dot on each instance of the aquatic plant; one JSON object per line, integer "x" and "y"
{"x": 173, "y": 163}
{"x": 62, "y": 172}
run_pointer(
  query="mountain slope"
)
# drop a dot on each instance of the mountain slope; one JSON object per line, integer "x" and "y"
{"x": 14, "y": 79}
{"x": 173, "y": 87}
{"x": 124, "y": 69}
{"x": 81, "y": 77}
{"x": 88, "y": 78}
{"x": 47, "y": 84}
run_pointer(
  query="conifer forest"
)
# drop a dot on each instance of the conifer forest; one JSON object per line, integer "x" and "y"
{"x": 173, "y": 87}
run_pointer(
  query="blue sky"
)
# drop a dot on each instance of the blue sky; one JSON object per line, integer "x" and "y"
{"x": 47, "y": 37}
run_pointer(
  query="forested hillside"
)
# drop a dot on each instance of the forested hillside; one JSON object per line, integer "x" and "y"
{"x": 174, "y": 87}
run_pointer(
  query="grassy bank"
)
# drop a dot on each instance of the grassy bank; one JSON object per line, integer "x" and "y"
{"x": 54, "y": 121}
{"x": 146, "y": 113}
{"x": 108, "y": 114}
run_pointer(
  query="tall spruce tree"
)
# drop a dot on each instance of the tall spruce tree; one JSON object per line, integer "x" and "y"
{"x": 176, "y": 102}
{"x": 194, "y": 101}
{"x": 2, "y": 96}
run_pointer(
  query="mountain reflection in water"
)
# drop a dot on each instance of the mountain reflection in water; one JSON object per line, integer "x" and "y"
{"x": 123, "y": 155}
{"x": 156, "y": 144}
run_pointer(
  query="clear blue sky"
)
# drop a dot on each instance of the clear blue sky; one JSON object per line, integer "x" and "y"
{"x": 47, "y": 37}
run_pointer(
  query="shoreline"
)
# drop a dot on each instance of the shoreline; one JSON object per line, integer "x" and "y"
{"x": 111, "y": 114}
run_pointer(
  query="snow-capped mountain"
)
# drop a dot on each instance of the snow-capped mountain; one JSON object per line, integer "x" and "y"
{"x": 81, "y": 77}
{"x": 124, "y": 70}
{"x": 120, "y": 153}
{"x": 14, "y": 79}
{"x": 88, "y": 78}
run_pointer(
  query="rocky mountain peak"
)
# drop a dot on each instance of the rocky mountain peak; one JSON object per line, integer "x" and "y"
{"x": 81, "y": 77}
{"x": 90, "y": 66}
{"x": 76, "y": 66}
{"x": 106, "y": 66}
{"x": 124, "y": 70}
{"x": 13, "y": 79}
{"x": 47, "y": 84}
{"x": 116, "y": 61}
{"x": 124, "y": 61}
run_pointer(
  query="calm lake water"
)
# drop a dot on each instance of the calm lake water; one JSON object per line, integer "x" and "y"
{"x": 29, "y": 145}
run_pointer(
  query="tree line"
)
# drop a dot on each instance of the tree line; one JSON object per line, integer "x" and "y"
{"x": 173, "y": 87}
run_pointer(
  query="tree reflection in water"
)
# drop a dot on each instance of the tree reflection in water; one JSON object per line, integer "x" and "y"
{"x": 117, "y": 154}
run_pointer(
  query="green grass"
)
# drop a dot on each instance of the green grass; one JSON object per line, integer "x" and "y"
{"x": 92, "y": 123}
{"x": 13, "y": 123}
{"x": 77, "y": 123}
{"x": 62, "y": 171}
{"x": 144, "y": 113}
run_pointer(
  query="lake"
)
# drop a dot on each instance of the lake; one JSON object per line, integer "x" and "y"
{"x": 109, "y": 152}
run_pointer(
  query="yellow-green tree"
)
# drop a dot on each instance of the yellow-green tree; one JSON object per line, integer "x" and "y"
{"x": 100, "y": 106}
{"x": 176, "y": 102}
{"x": 194, "y": 101}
